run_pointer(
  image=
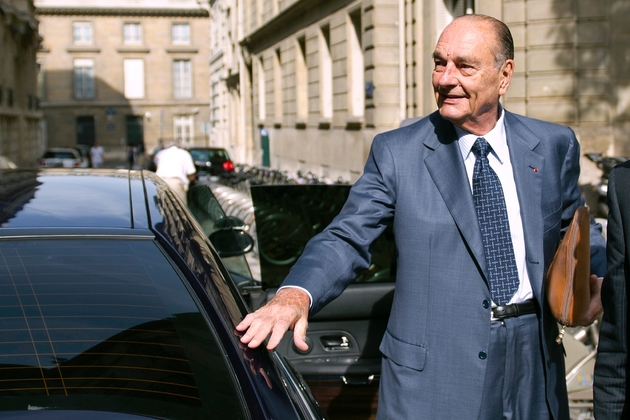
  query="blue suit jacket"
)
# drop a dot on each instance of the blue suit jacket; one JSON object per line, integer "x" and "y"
{"x": 415, "y": 178}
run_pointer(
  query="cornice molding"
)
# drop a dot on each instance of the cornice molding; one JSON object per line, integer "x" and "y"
{"x": 93, "y": 11}
{"x": 299, "y": 15}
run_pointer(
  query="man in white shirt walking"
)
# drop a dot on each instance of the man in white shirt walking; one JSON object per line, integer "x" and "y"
{"x": 176, "y": 167}
{"x": 96, "y": 155}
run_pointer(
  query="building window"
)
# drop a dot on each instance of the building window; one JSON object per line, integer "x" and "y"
{"x": 301, "y": 80}
{"x": 262, "y": 104}
{"x": 82, "y": 32}
{"x": 277, "y": 86}
{"x": 182, "y": 79}
{"x": 181, "y": 33}
{"x": 325, "y": 73}
{"x": 132, "y": 33}
{"x": 183, "y": 129}
{"x": 9, "y": 97}
{"x": 356, "y": 70}
{"x": 41, "y": 87}
{"x": 134, "y": 78}
{"x": 84, "y": 79}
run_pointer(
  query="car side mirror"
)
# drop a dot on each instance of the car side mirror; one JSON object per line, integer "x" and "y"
{"x": 231, "y": 242}
{"x": 230, "y": 222}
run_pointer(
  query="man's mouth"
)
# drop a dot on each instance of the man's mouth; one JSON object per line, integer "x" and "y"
{"x": 451, "y": 98}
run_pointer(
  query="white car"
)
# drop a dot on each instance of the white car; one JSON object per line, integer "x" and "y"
{"x": 62, "y": 157}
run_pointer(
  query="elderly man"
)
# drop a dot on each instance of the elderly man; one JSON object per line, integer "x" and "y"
{"x": 176, "y": 167}
{"x": 478, "y": 198}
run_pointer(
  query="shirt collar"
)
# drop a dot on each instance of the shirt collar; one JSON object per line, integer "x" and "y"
{"x": 495, "y": 138}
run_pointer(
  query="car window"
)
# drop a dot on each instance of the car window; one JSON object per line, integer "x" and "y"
{"x": 219, "y": 155}
{"x": 288, "y": 216}
{"x": 59, "y": 155}
{"x": 106, "y": 325}
{"x": 199, "y": 154}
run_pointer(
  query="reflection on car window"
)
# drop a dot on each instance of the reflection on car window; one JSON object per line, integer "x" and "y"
{"x": 59, "y": 155}
{"x": 107, "y": 326}
{"x": 207, "y": 211}
{"x": 288, "y": 216}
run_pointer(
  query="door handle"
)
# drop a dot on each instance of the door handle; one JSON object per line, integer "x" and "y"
{"x": 335, "y": 342}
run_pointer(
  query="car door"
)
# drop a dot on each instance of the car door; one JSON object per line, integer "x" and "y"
{"x": 343, "y": 363}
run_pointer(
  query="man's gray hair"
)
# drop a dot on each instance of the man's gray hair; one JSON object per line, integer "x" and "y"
{"x": 505, "y": 44}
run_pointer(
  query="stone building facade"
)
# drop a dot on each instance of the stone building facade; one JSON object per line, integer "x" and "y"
{"x": 124, "y": 73}
{"x": 322, "y": 77}
{"x": 20, "y": 117}
{"x": 230, "y": 119}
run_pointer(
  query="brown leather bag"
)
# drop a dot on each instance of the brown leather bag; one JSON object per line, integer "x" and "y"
{"x": 568, "y": 284}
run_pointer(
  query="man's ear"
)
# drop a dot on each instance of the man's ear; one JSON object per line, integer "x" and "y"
{"x": 507, "y": 69}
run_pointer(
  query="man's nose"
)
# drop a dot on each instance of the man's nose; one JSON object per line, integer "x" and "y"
{"x": 448, "y": 77}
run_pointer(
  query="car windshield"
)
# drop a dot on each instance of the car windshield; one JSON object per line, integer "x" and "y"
{"x": 288, "y": 216}
{"x": 106, "y": 325}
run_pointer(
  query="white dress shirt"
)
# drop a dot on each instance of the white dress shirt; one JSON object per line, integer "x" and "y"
{"x": 499, "y": 160}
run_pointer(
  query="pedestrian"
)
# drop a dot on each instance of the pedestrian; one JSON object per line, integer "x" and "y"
{"x": 131, "y": 156}
{"x": 470, "y": 335}
{"x": 610, "y": 387}
{"x": 96, "y": 155}
{"x": 176, "y": 167}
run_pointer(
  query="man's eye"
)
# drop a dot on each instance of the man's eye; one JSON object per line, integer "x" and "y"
{"x": 439, "y": 65}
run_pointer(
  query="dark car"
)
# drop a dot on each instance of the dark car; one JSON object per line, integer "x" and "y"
{"x": 211, "y": 161}
{"x": 115, "y": 304}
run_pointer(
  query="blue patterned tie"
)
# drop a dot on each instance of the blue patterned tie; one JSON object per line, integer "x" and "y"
{"x": 495, "y": 228}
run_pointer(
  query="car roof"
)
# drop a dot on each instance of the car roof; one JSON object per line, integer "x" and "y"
{"x": 72, "y": 199}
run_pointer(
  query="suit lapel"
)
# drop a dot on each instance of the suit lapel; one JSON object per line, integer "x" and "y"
{"x": 446, "y": 167}
{"x": 528, "y": 167}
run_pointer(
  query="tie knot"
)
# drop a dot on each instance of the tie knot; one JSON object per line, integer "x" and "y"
{"x": 481, "y": 148}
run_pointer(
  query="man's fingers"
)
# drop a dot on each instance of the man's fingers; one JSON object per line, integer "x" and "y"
{"x": 284, "y": 311}
{"x": 245, "y": 323}
{"x": 299, "y": 334}
{"x": 260, "y": 327}
{"x": 279, "y": 329}
{"x": 595, "y": 304}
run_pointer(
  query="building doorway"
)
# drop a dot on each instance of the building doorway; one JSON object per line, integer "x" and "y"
{"x": 135, "y": 140}
{"x": 86, "y": 130}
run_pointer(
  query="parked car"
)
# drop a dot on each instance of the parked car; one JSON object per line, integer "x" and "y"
{"x": 62, "y": 157}
{"x": 211, "y": 160}
{"x": 115, "y": 304}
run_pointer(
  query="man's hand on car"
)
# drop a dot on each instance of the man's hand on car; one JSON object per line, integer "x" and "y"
{"x": 287, "y": 310}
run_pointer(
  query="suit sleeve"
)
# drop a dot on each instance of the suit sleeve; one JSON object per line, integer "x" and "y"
{"x": 611, "y": 366}
{"x": 335, "y": 257}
